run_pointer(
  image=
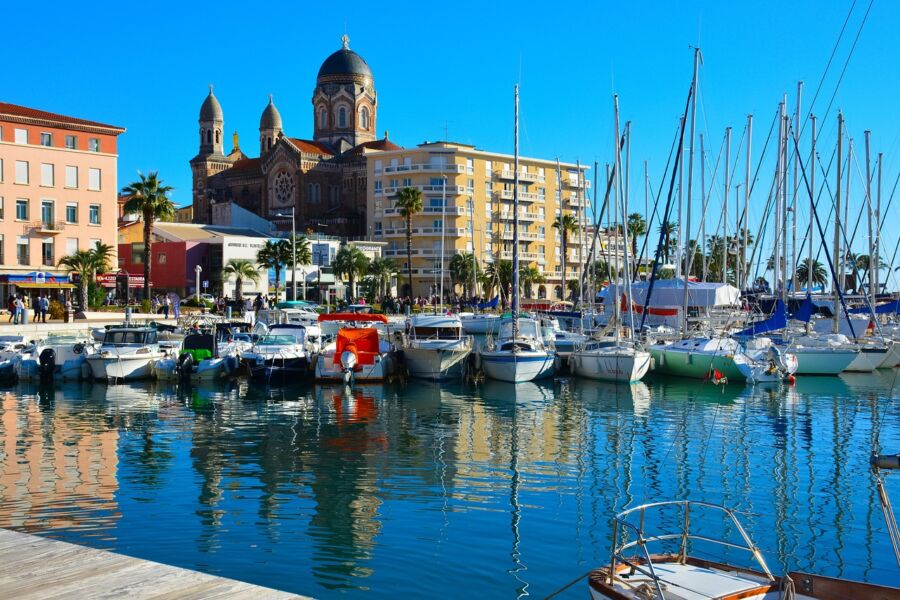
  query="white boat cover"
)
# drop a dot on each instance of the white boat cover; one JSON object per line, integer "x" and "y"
{"x": 670, "y": 292}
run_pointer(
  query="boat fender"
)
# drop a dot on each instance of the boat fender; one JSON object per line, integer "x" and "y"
{"x": 78, "y": 348}
{"x": 886, "y": 461}
{"x": 185, "y": 365}
{"x": 47, "y": 363}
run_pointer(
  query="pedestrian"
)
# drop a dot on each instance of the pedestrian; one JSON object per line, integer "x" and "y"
{"x": 167, "y": 303}
{"x": 11, "y": 307}
{"x": 19, "y": 310}
{"x": 43, "y": 306}
{"x": 176, "y": 304}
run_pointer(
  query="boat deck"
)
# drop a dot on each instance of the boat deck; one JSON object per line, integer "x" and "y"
{"x": 35, "y": 567}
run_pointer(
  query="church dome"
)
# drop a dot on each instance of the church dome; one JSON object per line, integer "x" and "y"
{"x": 345, "y": 62}
{"x": 271, "y": 118}
{"x": 211, "y": 110}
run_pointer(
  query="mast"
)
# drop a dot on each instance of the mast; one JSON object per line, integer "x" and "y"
{"x": 515, "y": 257}
{"x": 579, "y": 210}
{"x": 776, "y": 266}
{"x": 703, "y": 204}
{"x": 725, "y": 206}
{"x": 593, "y": 257}
{"x": 877, "y": 258}
{"x": 443, "y": 229}
{"x": 845, "y": 223}
{"x": 617, "y": 162}
{"x": 743, "y": 282}
{"x": 836, "y": 308}
{"x": 680, "y": 231}
{"x": 784, "y": 202}
{"x": 559, "y": 206}
{"x": 868, "y": 138}
{"x": 684, "y": 326}
{"x": 812, "y": 207}
{"x": 796, "y": 191}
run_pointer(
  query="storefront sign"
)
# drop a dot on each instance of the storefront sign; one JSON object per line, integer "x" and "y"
{"x": 108, "y": 280}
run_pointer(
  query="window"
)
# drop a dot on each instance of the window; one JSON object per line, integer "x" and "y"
{"x": 1, "y": 208}
{"x": 161, "y": 258}
{"x": 407, "y": 182}
{"x": 71, "y": 142}
{"x": 94, "y": 179}
{"x": 47, "y": 174}
{"x": 1, "y": 170}
{"x": 71, "y": 177}
{"x": 94, "y": 243}
{"x": 321, "y": 118}
{"x": 2, "y": 253}
{"x": 22, "y": 171}
{"x": 47, "y": 214}
{"x": 377, "y": 186}
{"x": 137, "y": 253}
{"x": 94, "y": 144}
{"x": 71, "y": 246}
{"x": 47, "y": 253}
{"x": 21, "y": 136}
{"x": 22, "y": 250}
{"x": 94, "y": 214}
{"x": 342, "y": 117}
{"x": 21, "y": 209}
{"x": 71, "y": 212}
{"x": 364, "y": 118}
{"x": 46, "y": 139}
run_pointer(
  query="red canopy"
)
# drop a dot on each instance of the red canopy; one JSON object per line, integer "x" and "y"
{"x": 362, "y": 342}
{"x": 353, "y": 317}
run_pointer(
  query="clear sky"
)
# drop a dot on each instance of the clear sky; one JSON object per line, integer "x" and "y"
{"x": 146, "y": 66}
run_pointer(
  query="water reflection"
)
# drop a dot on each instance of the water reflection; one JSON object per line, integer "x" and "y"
{"x": 497, "y": 487}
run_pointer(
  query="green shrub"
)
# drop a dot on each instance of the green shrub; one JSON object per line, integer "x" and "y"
{"x": 145, "y": 306}
{"x": 192, "y": 301}
{"x": 56, "y": 309}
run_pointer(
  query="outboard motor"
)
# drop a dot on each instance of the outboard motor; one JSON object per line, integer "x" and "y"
{"x": 47, "y": 363}
{"x": 185, "y": 366}
{"x": 349, "y": 360}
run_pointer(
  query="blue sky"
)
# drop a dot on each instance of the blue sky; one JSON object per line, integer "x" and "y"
{"x": 146, "y": 67}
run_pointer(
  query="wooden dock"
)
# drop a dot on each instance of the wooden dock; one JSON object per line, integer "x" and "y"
{"x": 33, "y": 567}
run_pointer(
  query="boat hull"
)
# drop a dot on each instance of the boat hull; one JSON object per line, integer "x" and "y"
{"x": 481, "y": 325}
{"x": 517, "y": 367}
{"x": 822, "y": 361}
{"x": 281, "y": 369}
{"x": 868, "y": 360}
{"x": 695, "y": 365}
{"x": 123, "y": 368}
{"x": 622, "y": 366}
{"x": 436, "y": 363}
{"x": 383, "y": 367}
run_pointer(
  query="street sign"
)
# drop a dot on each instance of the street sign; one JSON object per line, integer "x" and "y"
{"x": 205, "y": 284}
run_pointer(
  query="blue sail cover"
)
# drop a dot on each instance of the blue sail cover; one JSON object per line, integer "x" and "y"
{"x": 887, "y": 308}
{"x": 778, "y": 320}
{"x": 492, "y": 304}
{"x": 805, "y": 311}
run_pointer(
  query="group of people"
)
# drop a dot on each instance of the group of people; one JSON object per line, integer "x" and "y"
{"x": 165, "y": 304}
{"x": 18, "y": 306}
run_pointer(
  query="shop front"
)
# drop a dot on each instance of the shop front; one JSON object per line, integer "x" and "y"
{"x": 54, "y": 285}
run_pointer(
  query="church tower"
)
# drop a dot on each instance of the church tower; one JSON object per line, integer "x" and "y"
{"x": 210, "y": 159}
{"x": 344, "y": 101}
{"x": 269, "y": 127}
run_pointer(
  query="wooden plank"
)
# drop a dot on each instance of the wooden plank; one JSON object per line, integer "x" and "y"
{"x": 32, "y": 567}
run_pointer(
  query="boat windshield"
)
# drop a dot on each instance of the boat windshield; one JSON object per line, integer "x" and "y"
{"x": 130, "y": 337}
{"x": 436, "y": 333}
{"x": 278, "y": 340}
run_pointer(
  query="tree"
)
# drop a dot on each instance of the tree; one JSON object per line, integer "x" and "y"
{"x": 500, "y": 274}
{"x": 352, "y": 263}
{"x": 529, "y": 277}
{"x": 409, "y": 201}
{"x": 304, "y": 253}
{"x": 668, "y": 229}
{"x": 149, "y": 197}
{"x": 637, "y": 226}
{"x": 240, "y": 269}
{"x": 87, "y": 263}
{"x": 273, "y": 255}
{"x": 819, "y": 275}
{"x": 381, "y": 270}
{"x": 463, "y": 271}
{"x": 565, "y": 223}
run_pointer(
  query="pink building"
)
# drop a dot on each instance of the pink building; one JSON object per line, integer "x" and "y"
{"x": 58, "y": 193}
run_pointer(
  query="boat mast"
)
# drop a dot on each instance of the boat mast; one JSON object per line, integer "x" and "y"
{"x": 742, "y": 283}
{"x": 845, "y": 223}
{"x": 515, "y": 256}
{"x": 703, "y": 204}
{"x": 784, "y": 202}
{"x": 812, "y": 207}
{"x": 794, "y": 283}
{"x": 776, "y": 266}
{"x": 559, "y": 205}
{"x": 836, "y": 308}
{"x": 623, "y": 195}
{"x": 697, "y": 58}
{"x": 680, "y": 223}
{"x": 443, "y": 228}
{"x": 868, "y": 138}
{"x": 877, "y": 258}
{"x": 579, "y": 210}
{"x": 725, "y": 206}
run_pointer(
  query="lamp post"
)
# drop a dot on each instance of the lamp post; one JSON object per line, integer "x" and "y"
{"x": 293, "y": 252}
{"x": 197, "y": 270}
{"x": 303, "y": 276}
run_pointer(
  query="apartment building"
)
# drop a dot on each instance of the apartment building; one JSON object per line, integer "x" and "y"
{"x": 472, "y": 190}
{"x": 58, "y": 194}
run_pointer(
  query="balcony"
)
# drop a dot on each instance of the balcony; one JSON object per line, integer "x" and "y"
{"x": 510, "y": 175}
{"x": 44, "y": 228}
{"x": 452, "y": 190}
{"x": 507, "y": 255}
{"x": 523, "y": 196}
{"x": 420, "y": 252}
{"x": 428, "y": 168}
{"x": 523, "y": 216}
{"x": 575, "y": 184}
{"x": 525, "y": 236}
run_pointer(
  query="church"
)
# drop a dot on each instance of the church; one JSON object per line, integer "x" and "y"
{"x": 321, "y": 181}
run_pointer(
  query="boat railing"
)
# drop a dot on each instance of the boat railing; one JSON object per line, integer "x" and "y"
{"x": 641, "y": 541}
{"x": 890, "y": 463}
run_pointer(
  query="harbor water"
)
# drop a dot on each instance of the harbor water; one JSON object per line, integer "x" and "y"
{"x": 425, "y": 490}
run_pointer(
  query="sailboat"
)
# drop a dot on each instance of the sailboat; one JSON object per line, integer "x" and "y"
{"x": 519, "y": 355}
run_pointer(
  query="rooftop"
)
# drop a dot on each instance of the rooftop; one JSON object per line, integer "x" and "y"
{"x": 25, "y": 114}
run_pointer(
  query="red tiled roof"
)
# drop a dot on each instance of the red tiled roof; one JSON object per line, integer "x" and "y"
{"x": 245, "y": 164}
{"x": 384, "y": 145}
{"x": 311, "y": 147}
{"x": 33, "y": 113}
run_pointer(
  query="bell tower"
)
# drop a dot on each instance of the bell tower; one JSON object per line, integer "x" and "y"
{"x": 210, "y": 159}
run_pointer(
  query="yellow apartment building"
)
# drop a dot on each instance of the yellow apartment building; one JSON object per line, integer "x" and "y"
{"x": 472, "y": 190}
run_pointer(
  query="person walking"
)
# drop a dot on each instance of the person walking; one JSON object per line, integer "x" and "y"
{"x": 19, "y": 309}
{"x": 43, "y": 304}
{"x": 167, "y": 303}
{"x": 11, "y": 307}
{"x": 176, "y": 305}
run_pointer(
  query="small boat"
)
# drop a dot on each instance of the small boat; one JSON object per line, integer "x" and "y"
{"x": 61, "y": 358}
{"x": 517, "y": 357}
{"x": 480, "y": 324}
{"x": 609, "y": 359}
{"x": 768, "y": 363}
{"x": 127, "y": 353}
{"x": 197, "y": 360}
{"x": 636, "y": 572}
{"x": 821, "y": 354}
{"x": 281, "y": 354}
{"x": 713, "y": 357}
{"x": 358, "y": 353}
{"x": 436, "y": 348}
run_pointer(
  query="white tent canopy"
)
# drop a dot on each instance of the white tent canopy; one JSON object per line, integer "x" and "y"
{"x": 670, "y": 293}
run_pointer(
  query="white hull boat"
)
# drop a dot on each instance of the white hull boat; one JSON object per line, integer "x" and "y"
{"x": 436, "y": 348}
{"x": 62, "y": 358}
{"x": 607, "y": 361}
{"x": 518, "y": 359}
{"x": 483, "y": 324}
{"x": 127, "y": 353}
{"x": 358, "y": 354}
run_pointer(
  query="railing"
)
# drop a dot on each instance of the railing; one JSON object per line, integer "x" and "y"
{"x": 523, "y": 196}
{"x": 573, "y": 182}
{"x": 525, "y": 236}
{"x": 507, "y": 255}
{"x": 427, "y": 168}
{"x": 44, "y": 227}
{"x": 452, "y": 190}
{"x": 508, "y": 216}
{"x": 526, "y": 177}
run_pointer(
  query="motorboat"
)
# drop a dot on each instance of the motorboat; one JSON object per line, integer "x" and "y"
{"x": 281, "y": 354}
{"x": 480, "y": 323}
{"x": 650, "y": 560}
{"x": 11, "y": 346}
{"x": 62, "y": 357}
{"x": 197, "y": 360}
{"x": 435, "y": 347}
{"x": 126, "y": 353}
{"x": 563, "y": 342}
{"x": 518, "y": 356}
{"x": 609, "y": 359}
{"x": 358, "y": 352}
{"x": 714, "y": 357}
{"x": 768, "y": 363}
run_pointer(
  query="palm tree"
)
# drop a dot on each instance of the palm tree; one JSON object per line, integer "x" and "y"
{"x": 350, "y": 261}
{"x": 149, "y": 197}
{"x": 668, "y": 229}
{"x": 637, "y": 226}
{"x": 273, "y": 255}
{"x": 566, "y": 223}
{"x": 304, "y": 254}
{"x": 819, "y": 274}
{"x": 463, "y": 269}
{"x": 409, "y": 201}
{"x": 87, "y": 263}
{"x": 381, "y": 270}
{"x": 500, "y": 274}
{"x": 241, "y": 269}
{"x": 529, "y": 277}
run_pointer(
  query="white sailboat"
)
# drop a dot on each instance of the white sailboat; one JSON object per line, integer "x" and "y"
{"x": 520, "y": 354}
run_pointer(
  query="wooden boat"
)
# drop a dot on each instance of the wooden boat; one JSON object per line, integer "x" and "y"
{"x": 680, "y": 576}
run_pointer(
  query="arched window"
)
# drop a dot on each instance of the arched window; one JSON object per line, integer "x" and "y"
{"x": 217, "y": 135}
{"x": 209, "y": 136}
{"x": 364, "y": 117}
{"x": 269, "y": 141}
{"x": 342, "y": 117}
{"x": 321, "y": 118}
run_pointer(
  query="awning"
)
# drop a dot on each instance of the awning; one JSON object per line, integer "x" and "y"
{"x": 46, "y": 286}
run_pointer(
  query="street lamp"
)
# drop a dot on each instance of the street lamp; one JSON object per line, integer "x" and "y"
{"x": 293, "y": 252}
{"x": 197, "y": 270}
{"x": 303, "y": 276}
